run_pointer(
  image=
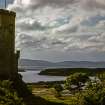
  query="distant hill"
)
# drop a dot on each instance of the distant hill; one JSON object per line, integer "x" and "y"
{"x": 64, "y": 64}
{"x": 82, "y": 64}
{"x": 27, "y": 62}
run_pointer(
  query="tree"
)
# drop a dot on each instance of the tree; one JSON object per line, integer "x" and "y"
{"x": 94, "y": 95}
{"x": 76, "y": 81}
{"x": 58, "y": 89}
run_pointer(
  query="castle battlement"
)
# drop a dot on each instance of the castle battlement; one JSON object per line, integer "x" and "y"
{"x": 7, "y": 12}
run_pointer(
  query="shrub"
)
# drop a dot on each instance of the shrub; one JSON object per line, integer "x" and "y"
{"x": 94, "y": 95}
{"x": 8, "y": 96}
{"x": 77, "y": 80}
{"x": 58, "y": 89}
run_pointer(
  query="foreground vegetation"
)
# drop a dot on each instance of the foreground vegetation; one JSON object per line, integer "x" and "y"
{"x": 50, "y": 95}
{"x": 78, "y": 89}
{"x": 8, "y": 96}
{"x": 15, "y": 92}
{"x": 94, "y": 95}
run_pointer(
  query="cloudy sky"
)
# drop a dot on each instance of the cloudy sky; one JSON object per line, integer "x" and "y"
{"x": 58, "y": 30}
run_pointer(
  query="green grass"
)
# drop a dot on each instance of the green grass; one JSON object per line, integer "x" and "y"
{"x": 49, "y": 95}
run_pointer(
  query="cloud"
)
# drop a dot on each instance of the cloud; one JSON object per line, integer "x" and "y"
{"x": 35, "y": 4}
{"x": 40, "y": 3}
{"x": 31, "y": 24}
{"x": 60, "y": 25}
{"x": 93, "y": 4}
{"x": 89, "y": 4}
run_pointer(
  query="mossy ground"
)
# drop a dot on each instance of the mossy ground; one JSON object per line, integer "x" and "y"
{"x": 49, "y": 94}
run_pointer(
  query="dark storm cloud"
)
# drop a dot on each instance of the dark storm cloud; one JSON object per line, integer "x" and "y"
{"x": 87, "y": 4}
{"x": 93, "y": 20}
{"x": 93, "y": 4}
{"x": 41, "y": 3}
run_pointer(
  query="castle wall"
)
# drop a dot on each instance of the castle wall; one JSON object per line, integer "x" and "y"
{"x": 8, "y": 58}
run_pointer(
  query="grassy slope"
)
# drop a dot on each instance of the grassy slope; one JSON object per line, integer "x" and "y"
{"x": 23, "y": 92}
{"x": 49, "y": 94}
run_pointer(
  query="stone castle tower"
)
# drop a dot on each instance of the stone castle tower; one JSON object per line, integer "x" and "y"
{"x": 8, "y": 57}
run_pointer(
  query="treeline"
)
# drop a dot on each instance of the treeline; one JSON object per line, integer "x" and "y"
{"x": 68, "y": 71}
